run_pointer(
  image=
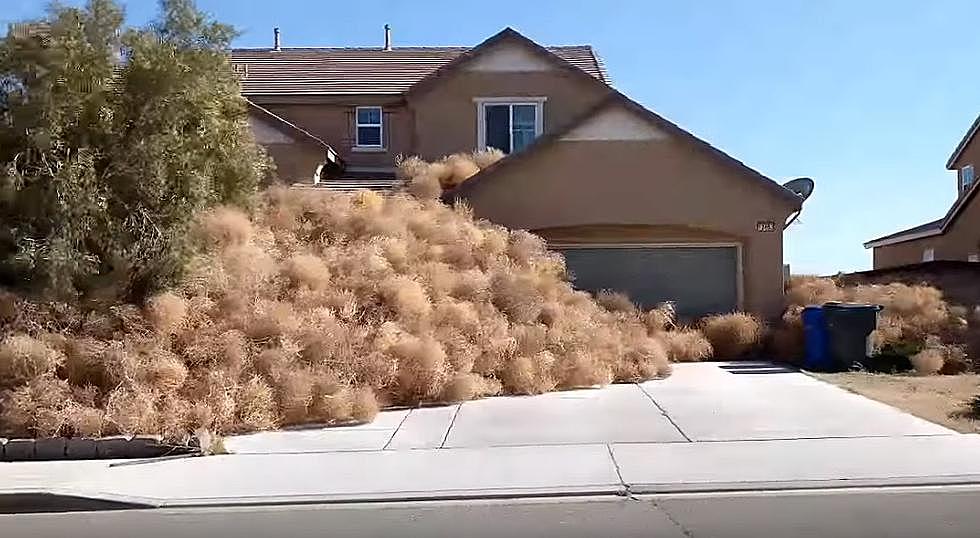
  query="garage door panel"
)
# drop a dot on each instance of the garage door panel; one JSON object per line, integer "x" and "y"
{"x": 700, "y": 280}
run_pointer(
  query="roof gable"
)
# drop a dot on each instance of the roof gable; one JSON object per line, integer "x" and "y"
{"x": 620, "y": 118}
{"x": 488, "y": 55}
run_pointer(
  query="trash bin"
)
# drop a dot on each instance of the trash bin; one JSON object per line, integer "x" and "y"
{"x": 849, "y": 326}
{"x": 815, "y": 356}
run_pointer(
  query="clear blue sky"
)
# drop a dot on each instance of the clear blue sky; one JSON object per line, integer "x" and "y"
{"x": 868, "y": 97}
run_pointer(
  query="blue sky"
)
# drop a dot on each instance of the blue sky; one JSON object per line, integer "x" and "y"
{"x": 867, "y": 97}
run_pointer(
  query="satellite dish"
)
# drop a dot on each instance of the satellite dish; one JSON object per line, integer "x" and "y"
{"x": 802, "y": 187}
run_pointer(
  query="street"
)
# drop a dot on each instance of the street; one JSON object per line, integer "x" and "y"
{"x": 894, "y": 512}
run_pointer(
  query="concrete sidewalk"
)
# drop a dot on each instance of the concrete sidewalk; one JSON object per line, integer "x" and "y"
{"x": 709, "y": 427}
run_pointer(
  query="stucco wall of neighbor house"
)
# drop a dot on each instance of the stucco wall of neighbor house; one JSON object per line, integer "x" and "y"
{"x": 332, "y": 120}
{"x": 961, "y": 240}
{"x": 446, "y": 114}
{"x": 662, "y": 190}
{"x": 969, "y": 155}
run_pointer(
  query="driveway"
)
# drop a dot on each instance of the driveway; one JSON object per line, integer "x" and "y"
{"x": 700, "y": 402}
{"x": 710, "y": 427}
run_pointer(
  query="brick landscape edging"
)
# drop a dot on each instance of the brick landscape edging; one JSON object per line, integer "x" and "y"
{"x": 83, "y": 448}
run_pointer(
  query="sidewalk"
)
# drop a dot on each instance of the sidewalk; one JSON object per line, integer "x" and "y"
{"x": 707, "y": 428}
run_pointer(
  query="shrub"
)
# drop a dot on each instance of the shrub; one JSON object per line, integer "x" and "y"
{"x": 928, "y": 361}
{"x": 687, "y": 345}
{"x": 732, "y": 336}
{"x": 106, "y": 169}
{"x": 23, "y": 358}
{"x": 323, "y": 307}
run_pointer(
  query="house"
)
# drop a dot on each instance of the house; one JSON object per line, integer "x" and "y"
{"x": 955, "y": 236}
{"x": 634, "y": 202}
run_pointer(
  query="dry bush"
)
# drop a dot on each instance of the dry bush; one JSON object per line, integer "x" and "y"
{"x": 615, "y": 301}
{"x": 928, "y": 361}
{"x": 732, "y": 336}
{"x": 811, "y": 290}
{"x": 914, "y": 319}
{"x": 324, "y": 307}
{"x": 23, "y": 358}
{"x": 486, "y": 157}
{"x": 166, "y": 311}
{"x": 687, "y": 345}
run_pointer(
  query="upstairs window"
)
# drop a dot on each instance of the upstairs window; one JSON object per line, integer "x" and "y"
{"x": 928, "y": 255}
{"x": 966, "y": 177}
{"x": 369, "y": 127}
{"x": 509, "y": 126}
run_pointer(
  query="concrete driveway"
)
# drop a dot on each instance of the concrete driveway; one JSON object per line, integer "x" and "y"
{"x": 710, "y": 427}
{"x": 700, "y": 402}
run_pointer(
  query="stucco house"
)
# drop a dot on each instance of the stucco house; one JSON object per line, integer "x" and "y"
{"x": 955, "y": 236}
{"x": 635, "y": 202}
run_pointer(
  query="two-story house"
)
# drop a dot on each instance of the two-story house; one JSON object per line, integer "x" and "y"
{"x": 634, "y": 202}
{"x": 956, "y": 236}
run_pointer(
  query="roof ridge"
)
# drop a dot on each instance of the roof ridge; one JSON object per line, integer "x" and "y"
{"x": 382, "y": 49}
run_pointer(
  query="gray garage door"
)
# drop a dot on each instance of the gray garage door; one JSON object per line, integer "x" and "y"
{"x": 700, "y": 280}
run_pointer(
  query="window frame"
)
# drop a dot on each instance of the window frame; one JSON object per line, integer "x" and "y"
{"x": 928, "y": 255}
{"x": 964, "y": 186}
{"x": 481, "y": 117}
{"x": 380, "y": 125}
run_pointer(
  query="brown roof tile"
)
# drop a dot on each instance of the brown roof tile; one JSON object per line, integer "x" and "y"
{"x": 360, "y": 71}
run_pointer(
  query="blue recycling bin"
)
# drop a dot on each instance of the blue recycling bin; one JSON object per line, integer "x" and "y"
{"x": 815, "y": 342}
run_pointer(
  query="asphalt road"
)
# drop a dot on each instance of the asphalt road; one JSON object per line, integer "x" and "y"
{"x": 896, "y": 512}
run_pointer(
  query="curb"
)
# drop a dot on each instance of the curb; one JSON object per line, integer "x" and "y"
{"x": 83, "y": 448}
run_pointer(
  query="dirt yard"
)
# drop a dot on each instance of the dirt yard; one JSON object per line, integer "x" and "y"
{"x": 941, "y": 399}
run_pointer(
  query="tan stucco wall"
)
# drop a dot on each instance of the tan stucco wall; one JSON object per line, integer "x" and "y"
{"x": 446, "y": 115}
{"x": 295, "y": 162}
{"x": 960, "y": 241}
{"x": 332, "y": 120}
{"x": 663, "y": 190}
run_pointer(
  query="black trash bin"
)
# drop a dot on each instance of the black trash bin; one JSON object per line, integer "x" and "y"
{"x": 849, "y": 326}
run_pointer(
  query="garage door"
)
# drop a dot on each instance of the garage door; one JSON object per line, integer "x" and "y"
{"x": 700, "y": 280}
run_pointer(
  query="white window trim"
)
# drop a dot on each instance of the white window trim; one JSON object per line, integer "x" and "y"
{"x": 963, "y": 186}
{"x": 481, "y": 115}
{"x": 380, "y": 146}
{"x": 929, "y": 255}
{"x": 973, "y": 258}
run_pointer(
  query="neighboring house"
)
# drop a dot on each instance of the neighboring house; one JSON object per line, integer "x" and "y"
{"x": 633, "y": 201}
{"x": 956, "y": 236}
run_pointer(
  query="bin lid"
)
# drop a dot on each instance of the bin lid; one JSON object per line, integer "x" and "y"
{"x": 852, "y": 306}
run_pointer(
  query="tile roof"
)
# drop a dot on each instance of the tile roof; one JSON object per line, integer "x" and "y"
{"x": 359, "y": 71}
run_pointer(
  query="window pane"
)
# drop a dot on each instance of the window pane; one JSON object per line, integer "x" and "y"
{"x": 523, "y": 137}
{"x": 369, "y": 115}
{"x": 524, "y": 116}
{"x": 369, "y": 136}
{"x": 498, "y": 127}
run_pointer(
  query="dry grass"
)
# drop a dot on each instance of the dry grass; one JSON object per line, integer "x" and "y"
{"x": 325, "y": 307}
{"x": 733, "y": 336}
{"x": 942, "y": 399}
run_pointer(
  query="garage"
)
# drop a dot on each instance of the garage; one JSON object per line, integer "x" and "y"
{"x": 699, "y": 279}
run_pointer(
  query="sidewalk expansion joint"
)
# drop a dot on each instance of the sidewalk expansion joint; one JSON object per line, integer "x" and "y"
{"x": 663, "y": 412}
{"x": 394, "y": 433}
{"x": 451, "y": 424}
